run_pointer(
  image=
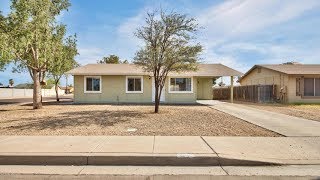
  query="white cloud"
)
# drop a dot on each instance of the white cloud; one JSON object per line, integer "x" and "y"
{"x": 243, "y": 17}
{"x": 229, "y": 27}
{"x": 232, "y": 26}
{"x": 89, "y": 55}
{"x": 127, "y": 29}
{"x": 225, "y": 59}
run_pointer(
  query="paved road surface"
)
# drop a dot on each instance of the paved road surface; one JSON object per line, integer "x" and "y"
{"x": 160, "y": 172}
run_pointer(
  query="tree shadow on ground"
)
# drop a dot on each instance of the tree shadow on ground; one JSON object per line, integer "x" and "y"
{"x": 49, "y": 103}
{"x": 103, "y": 118}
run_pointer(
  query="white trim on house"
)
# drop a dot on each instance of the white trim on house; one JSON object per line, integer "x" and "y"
{"x": 85, "y": 84}
{"x": 163, "y": 93}
{"x": 180, "y": 92}
{"x": 133, "y": 92}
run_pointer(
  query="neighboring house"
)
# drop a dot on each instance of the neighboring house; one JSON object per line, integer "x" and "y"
{"x": 128, "y": 83}
{"x": 297, "y": 83}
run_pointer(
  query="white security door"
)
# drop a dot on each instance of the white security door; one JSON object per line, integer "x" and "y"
{"x": 162, "y": 98}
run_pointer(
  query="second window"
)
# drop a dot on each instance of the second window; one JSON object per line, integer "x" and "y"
{"x": 134, "y": 84}
{"x": 180, "y": 85}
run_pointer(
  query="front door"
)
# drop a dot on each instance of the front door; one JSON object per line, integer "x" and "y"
{"x": 199, "y": 89}
{"x": 162, "y": 98}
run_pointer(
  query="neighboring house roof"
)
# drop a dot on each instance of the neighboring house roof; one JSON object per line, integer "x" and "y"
{"x": 291, "y": 69}
{"x": 211, "y": 70}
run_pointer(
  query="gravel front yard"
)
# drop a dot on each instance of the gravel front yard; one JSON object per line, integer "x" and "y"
{"x": 84, "y": 120}
{"x": 306, "y": 111}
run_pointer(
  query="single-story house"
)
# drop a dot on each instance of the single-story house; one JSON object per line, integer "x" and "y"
{"x": 297, "y": 83}
{"x": 128, "y": 83}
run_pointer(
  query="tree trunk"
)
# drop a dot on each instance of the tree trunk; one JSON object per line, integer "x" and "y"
{"x": 57, "y": 94}
{"x": 66, "y": 92}
{"x": 37, "y": 104}
{"x": 156, "y": 99}
{"x": 156, "y": 105}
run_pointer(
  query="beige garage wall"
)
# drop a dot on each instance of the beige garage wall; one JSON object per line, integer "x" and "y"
{"x": 269, "y": 77}
{"x": 113, "y": 90}
{"x": 266, "y": 77}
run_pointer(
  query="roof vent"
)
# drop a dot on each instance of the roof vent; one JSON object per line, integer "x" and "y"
{"x": 291, "y": 63}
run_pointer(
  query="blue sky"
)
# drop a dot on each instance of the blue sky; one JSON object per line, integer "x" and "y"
{"x": 237, "y": 33}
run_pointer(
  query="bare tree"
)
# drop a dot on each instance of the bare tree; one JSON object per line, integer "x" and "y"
{"x": 168, "y": 47}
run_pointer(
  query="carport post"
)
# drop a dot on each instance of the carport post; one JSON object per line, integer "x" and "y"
{"x": 231, "y": 90}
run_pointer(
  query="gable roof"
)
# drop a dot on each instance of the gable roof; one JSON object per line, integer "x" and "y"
{"x": 291, "y": 69}
{"x": 211, "y": 70}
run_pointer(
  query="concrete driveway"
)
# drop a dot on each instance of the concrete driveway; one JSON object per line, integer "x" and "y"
{"x": 280, "y": 123}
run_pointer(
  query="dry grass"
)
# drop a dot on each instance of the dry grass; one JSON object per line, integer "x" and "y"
{"x": 307, "y": 111}
{"x": 66, "y": 119}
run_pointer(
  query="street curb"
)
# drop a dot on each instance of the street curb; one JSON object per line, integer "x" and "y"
{"x": 150, "y": 177}
{"x": 134, "y": 160}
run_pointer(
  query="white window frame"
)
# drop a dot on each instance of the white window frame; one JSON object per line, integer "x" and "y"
{"x": 180, "y": 92}
{"x": 133, "y": 92}
{"x": 85, "y": 84}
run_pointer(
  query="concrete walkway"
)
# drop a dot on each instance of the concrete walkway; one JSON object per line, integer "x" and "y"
{"x": 159, "y": 150}
{"x": 277, "y": 122}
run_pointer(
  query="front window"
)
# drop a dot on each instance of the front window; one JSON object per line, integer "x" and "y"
{"x": 180, "y": 85}
{"x": 311, "y": 86}
{"x": 92, "y": 84}
{"x": 134, "y": 84}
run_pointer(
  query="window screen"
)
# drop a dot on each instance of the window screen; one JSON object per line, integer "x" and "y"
{"x": 134, "y": 84}
{"x": 92, "y": 84}
{"x": 309, "y": 86}
{"x": 180, "y": 84}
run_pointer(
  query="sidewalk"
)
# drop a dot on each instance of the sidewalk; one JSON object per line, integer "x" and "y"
{"x": 277, "y": 122}
{"x": 159, "y": 150}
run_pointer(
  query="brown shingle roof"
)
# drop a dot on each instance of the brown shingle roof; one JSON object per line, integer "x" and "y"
{"x": 292, "y": 69}
{"x": 211, "y": 70}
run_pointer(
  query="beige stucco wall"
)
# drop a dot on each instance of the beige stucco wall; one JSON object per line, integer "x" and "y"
{"x": 113, "y": 90}
{"x": 181, "y": 97}
{"x": 267, "y": 77}
{"x": 270, "y": 77}
{"x": 293, "y": 98}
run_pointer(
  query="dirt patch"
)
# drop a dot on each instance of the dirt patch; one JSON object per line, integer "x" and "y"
{"x": 306, "y": 111}
{"x": 68, "y": 119}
